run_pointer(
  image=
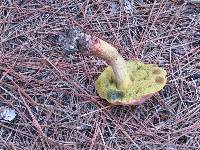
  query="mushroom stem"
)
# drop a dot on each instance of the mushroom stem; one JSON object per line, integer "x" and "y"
{"x": 110, "y": 54}
{"x": 76, "y": 39}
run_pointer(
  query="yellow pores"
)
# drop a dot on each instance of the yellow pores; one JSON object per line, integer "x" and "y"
{"x": 146, "y": 79}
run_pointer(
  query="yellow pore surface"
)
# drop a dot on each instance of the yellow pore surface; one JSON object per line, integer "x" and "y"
{"x": 145, "y": 79}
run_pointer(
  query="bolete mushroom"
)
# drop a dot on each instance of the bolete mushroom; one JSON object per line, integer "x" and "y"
{"x": 122, "y": 82}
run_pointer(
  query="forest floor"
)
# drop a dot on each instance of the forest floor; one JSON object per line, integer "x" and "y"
{"x": 50, "y": 95}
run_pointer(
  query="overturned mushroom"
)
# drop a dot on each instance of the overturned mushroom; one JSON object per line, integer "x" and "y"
{"x": 123, "y": 82}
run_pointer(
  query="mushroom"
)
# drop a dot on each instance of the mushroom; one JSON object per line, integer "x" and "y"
{"x": 122, "y": 82}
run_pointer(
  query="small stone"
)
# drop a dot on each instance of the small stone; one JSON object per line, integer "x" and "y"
{"x": 7, "y": 114}
{"x": 71, "y": 47}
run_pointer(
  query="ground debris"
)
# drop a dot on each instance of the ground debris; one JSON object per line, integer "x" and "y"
{"x": 7, "y": 114}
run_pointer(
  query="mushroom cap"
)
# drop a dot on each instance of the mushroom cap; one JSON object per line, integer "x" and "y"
{"x": 146, "y": 79}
